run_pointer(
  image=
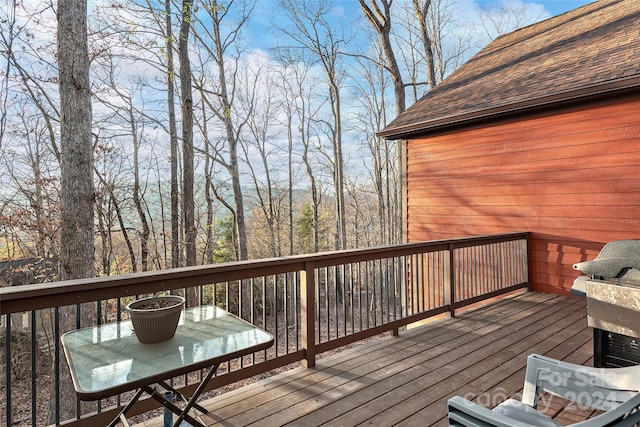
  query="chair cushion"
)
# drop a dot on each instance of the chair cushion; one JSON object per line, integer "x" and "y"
{"x": 524, "y": 413}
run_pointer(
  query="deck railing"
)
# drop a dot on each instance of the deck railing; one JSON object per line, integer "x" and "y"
{"x": 310, "y": 303}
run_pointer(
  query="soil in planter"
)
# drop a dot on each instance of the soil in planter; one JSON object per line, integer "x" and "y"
{"x": 153, "y": 305}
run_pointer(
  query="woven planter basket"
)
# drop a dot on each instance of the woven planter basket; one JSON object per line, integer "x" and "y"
{"x": 155, "y": 319}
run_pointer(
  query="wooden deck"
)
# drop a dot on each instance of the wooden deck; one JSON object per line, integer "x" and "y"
{"x": 406, "y": 380}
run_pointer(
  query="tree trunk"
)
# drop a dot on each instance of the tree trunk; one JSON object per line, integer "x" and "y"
{"x": 188, "y": 208}
{"x": 137, "y": 197}
{"x": 381, "y": 22}
{"x": 173, "y": 140}
{"x": 336, "y": 108}
{"x": 76, "y": 173}
{"x": 232, "y": 166}
{"x": 290, "y": 170}
{"x": 421, "y": 14}
{"x": 208, "y": 184}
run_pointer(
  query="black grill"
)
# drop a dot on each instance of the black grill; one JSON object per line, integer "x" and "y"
{"x": 618, "y": 262}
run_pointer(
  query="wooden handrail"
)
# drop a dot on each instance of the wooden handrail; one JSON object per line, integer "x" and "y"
{"x": 56, "y": 294}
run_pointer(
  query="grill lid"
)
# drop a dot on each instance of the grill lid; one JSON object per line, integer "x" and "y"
{"x": 608, "y": 268}
{"x": 618, "y": 260}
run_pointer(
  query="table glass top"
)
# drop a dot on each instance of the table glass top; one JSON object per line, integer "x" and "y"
{"x": 109, "y": 359}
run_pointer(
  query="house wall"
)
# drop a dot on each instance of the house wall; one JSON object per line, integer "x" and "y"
{"x": 571, "y": 177}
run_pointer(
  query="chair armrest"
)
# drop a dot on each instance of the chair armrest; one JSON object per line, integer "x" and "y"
{"x": 463, "y": 412}
{"x": 599, "y": 388}
{"x": 625, "y": 415}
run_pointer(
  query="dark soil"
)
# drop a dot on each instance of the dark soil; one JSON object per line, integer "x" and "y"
{"x": 156, "y": 304}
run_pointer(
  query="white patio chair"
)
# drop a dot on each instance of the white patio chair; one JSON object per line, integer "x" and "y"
{"x": 613, "y": 390}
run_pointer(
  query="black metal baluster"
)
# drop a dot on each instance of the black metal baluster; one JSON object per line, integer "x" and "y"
{"x": 7, "y": 352}
{"x": 34, "y": 367}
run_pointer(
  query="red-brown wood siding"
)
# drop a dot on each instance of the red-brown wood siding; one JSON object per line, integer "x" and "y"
{"x": 571, "y": 177}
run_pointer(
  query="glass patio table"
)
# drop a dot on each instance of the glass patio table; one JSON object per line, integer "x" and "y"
{"x": 108, "y": 359}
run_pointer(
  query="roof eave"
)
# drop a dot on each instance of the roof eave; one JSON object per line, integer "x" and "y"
{"x": 619, "y": 86}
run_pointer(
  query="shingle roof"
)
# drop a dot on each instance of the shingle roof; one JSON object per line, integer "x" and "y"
{"x": 594, "y": 49}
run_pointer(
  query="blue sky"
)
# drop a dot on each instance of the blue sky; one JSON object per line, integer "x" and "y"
{"x": 556, "y": 7}
{"x": 260, "y": 30}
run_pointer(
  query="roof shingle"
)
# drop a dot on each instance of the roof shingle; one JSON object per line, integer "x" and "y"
{"x": 586, "y": 51}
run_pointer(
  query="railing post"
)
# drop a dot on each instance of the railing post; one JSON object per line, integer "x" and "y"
{"x": 527, "y": 259}
{"x": 450, "y": 281}
{"x": 308, "y": 313}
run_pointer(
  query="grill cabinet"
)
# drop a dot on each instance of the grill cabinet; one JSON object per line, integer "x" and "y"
{"x": 613, "y": 302}
{"x": 611, "y": 350}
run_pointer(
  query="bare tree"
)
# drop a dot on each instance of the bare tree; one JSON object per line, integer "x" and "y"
{"x": 451, "y": 38}
{"x": 76, "y": 167}
{"x": 109, "y": 197}
{"x": 288, "y": 106}
{"x": 7, "y": 37}
{"x": 296, "y": 89}
{"x": 416, "y": 43}
{"x": 29, "y": 132}
{"x": 209, "y": 190}
{"x": 497, "y": 19}
{"x": 28, "y": 69}
{"x": 188, "y": 204}
{"x": 27, "y": 163}
{"x": 138, "y": 197}
{"x": 379, "y": 15}
{"x": 313, "y": 32}
{"x": 173, "y": 139}
{"x": 126, "y": 113}
{"x": 160, "y": 27}
{"x": 218, "y": 40}
{"x": 258, "y": 100}
{"x": 187, "y": 135}
{"x": 225, "y": 111}
{"x": 382, "y": 164}
{"x": 421, "y": 8}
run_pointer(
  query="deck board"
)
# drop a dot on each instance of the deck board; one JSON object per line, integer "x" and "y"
{"x": 406, "y": 380}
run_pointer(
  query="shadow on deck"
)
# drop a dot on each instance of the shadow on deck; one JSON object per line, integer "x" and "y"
{"x": 406, "y": 380}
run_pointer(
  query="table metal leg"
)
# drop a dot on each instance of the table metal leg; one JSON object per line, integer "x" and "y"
{"x": 121, "y": 416}
{"x": 192, "y": 401}
{"x": 173, "y": 408}
{"x": 183, "y": 414}
{"x": 125, "y": 423}
{"x": 184, "y": 398}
